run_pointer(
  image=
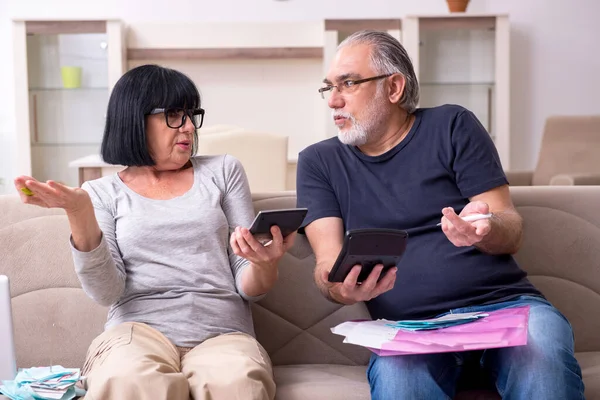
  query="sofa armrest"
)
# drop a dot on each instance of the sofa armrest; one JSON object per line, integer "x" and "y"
{"x": 575, "y": 179}
{"x": 519, "y": 178}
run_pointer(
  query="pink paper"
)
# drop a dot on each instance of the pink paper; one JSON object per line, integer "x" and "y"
{"x": 502, "y": 328}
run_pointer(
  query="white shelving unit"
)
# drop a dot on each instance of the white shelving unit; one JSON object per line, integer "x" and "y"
{"x": 58, "y": 124}
{"x": 464, "y": 59}
{"x": 259, "y": 76}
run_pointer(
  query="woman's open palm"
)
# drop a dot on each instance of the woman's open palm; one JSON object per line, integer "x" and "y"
{"x": 51, "y": 194}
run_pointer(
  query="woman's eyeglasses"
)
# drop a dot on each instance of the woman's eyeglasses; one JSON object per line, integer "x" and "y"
{"x": 176, "y": 117}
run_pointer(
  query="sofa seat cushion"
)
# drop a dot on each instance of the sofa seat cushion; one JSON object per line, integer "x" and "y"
{"x": 589, "y": 362}
{"x": 319, "y": 381}
{"x": 333, "y": 382}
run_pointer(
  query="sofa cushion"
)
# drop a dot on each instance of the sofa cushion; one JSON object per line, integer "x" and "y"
{"x": 561, "y": 255}
{"x": 293, "y": 321}
{"x": 321, "y": 381}
{"x": 332, "y": 382}
{"x": 61, "y": 321}
{"x": 590, "y": 369}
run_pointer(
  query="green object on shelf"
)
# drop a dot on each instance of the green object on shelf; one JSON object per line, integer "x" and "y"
{"x": 71, "y": 77}
{"x": 27, "y": 191}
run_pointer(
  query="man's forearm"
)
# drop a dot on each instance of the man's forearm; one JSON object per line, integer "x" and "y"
{"x": 506, "y": 234}
{"x": 321, "y": 285}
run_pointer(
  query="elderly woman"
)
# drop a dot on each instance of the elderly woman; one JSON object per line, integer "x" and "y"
{"x": 164, "y": 244}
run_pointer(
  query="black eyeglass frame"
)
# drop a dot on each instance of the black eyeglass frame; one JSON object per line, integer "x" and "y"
{"x": 348, "y": 83}
{"x": 187, "y": 113}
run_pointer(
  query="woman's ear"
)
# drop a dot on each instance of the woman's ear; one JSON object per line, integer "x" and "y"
{"x": 397, "y": 85}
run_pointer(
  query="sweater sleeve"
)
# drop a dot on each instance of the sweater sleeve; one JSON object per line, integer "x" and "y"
{"x": 101, "y": 270}
{"x": 238, "y": 208}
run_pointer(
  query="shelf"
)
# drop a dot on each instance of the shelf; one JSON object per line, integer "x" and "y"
{"x": 64, "y": 27}
{"x": 40, "y": 144}
{"x": 457, "y": 84}
{"x": 457, "y": 21}
{"x": 240, "y": 53}
{"x": 354, "y": 25}
{"x": 60, "y": 89}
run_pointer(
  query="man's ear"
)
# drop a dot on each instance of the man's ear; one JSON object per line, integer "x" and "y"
{"x": 396, "y": 88}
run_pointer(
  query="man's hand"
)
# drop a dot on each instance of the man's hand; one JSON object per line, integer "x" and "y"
{"x": 462, "y": 233}
{"x": 350, "y": 291}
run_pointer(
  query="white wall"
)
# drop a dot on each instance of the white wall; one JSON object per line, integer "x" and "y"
{"x": 555, "y": 55}
{"x": 555, "y": 66}
{"x": 6, "y": 104}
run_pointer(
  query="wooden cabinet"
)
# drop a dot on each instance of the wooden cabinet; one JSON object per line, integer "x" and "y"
{"x": 61, "y": 117}
{"x": 464, "y": 59}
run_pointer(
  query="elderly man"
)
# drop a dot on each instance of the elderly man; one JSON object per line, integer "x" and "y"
{"x": 394, "y": 165}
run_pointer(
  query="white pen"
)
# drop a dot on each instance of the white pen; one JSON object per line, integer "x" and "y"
{"x": 474, "y": 217}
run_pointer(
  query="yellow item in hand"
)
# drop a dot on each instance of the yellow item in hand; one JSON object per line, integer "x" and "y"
{"x": 27, "y": 191}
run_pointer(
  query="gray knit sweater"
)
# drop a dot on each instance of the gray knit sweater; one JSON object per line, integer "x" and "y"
{"x": 168, "y": 263}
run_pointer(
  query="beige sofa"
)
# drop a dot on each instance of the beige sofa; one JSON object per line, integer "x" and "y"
{"x": 55, "y": 321}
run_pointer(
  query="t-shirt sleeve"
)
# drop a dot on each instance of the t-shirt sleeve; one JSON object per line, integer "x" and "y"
{"x": 476, "y": 163}
{"x": 314, "y": 190}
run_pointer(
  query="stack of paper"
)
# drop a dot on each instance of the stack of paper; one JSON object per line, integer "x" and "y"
{"x": 454, "y": 332}
{"x": 53, "y": 383}
{"x": 437, "y": 323}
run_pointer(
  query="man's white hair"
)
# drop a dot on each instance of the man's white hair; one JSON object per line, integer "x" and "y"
{"x": 388, "y": 56}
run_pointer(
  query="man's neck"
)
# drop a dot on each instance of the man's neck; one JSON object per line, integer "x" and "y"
{"x": 394, "y": 132}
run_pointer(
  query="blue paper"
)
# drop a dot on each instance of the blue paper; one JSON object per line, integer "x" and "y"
{"x": 14, "y": 392}
{"x": 437, "y": 323}
{"x": 42, "y": 383}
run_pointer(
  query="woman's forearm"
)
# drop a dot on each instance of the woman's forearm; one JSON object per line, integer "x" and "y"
{"x": 258, "y": 280}
{"x": 85, "y": 230}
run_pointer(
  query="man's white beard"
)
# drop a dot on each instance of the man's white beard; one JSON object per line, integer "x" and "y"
{"x": 359, "y": 134}
{"x": 355, "y": 136}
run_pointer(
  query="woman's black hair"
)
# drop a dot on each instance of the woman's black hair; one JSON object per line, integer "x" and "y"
{"x": 135, "y": 95}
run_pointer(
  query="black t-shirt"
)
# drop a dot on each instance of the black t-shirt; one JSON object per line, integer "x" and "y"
{"x": 446, "y": 158}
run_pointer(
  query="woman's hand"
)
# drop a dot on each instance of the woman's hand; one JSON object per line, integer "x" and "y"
{"x": 245, "y": 245}
{"x": 262, "y": 273}
{"x": 51, "y": 194}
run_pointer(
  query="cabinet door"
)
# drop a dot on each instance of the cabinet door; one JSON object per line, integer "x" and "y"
{"x": 50, "y": 113}
{"x": 60, "y": 113}
{"x": 464, "y": 59}
{"x": 66, "y": 118}
{"x": 457, "y": 67}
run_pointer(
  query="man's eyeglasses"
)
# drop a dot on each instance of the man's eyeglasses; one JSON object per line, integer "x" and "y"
{"x": 176, "y": 117}
{"x": 349, "y": 85}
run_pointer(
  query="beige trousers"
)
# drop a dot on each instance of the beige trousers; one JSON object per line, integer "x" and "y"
{"x": 135, "y": 361}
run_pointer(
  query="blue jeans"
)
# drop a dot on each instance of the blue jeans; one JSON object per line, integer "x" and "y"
{"x": 545, "y": 368}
